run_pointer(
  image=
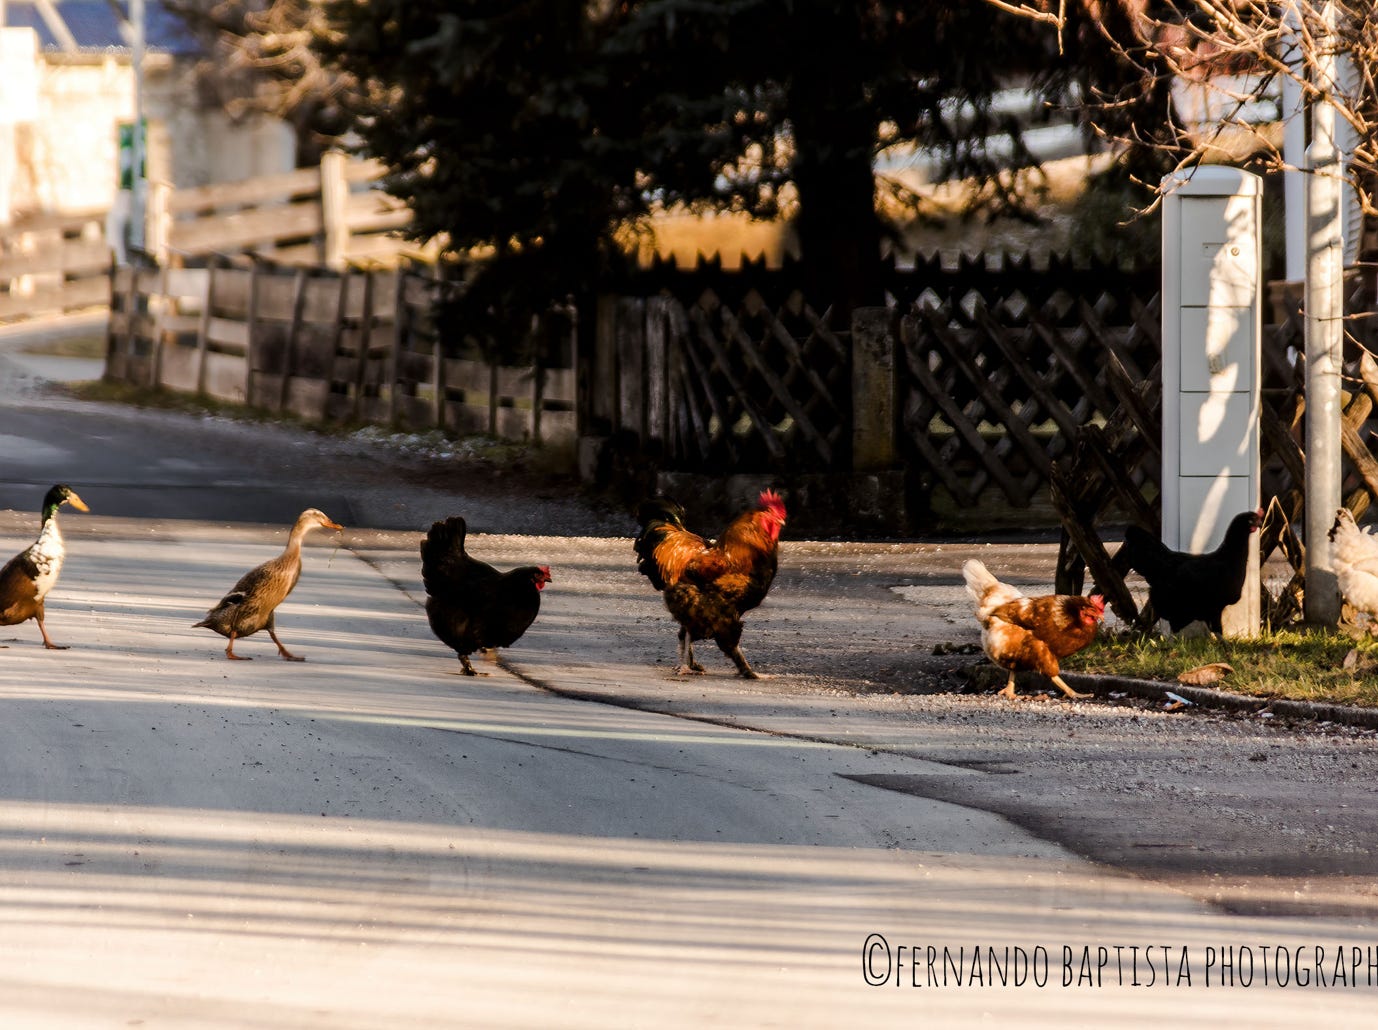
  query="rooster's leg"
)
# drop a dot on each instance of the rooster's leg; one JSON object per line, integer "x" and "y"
{"x": 689, "y": 652}
{"x": 1062, "y": 686}
{"x": 286, "y": 654}
{"x": 687, "y": 664}
{"x": 1009, "y": 689}
{"x": 743, "y": 669}
{"x": 468, "y": 669}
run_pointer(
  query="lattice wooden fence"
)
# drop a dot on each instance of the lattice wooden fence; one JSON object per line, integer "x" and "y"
{"x": 995, "y": 390}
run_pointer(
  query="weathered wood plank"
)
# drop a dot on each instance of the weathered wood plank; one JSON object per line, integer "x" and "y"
{"x": 249, "y": 228}
{"x": 261, "y": 190}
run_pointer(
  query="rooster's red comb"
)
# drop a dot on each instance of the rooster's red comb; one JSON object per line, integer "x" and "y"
{"x": 773, "y": 501}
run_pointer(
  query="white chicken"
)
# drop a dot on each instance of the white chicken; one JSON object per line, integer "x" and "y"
{"x": 1355, "y": 554}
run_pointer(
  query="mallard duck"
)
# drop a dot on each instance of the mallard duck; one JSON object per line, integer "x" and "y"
{"x": 249, "y": 606}
{"x": 29, "y": 575}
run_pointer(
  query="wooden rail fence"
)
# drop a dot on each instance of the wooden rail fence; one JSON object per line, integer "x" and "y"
{"x": 329, "y": 216}
{"x": 50, "y": 264}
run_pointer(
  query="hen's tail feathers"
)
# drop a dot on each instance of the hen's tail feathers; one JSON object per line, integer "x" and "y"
{"x": 659, "y": 517}
{"x": 442, "y": 553}
{"x": 978, "y": 579}
{"x": 1142, "y": 551}
{"x": 986, "y": 591}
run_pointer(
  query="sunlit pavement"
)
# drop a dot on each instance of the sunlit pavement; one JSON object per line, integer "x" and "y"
{"x": 368, "y": 839}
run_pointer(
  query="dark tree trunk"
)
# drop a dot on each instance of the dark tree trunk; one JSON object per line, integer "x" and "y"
{"x": 834, "y": 135}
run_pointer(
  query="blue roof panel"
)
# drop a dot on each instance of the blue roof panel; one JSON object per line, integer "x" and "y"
{"x": 97, "y": 25}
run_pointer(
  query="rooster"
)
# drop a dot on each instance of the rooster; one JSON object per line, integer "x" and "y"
{"x": 1354, "y": 552}
{"x": 1185, "y": 588}
{"x": 708, "y": 586}
{"x": 470, "y": 605}
{"x": 1019, "y": 632}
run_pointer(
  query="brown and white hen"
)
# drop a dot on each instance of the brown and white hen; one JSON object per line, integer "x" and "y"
{"x": 1030, "y": 633}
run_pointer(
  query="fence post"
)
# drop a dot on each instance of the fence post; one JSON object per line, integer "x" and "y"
{"x": 251, "y": 347}
{"x": 544, "y": 328}
{"x": 289, "y": 353}
{"x": 629, "y": 398}
{"x": 158, "y": 219}
{"x": 365, "y": 345}
{"x": 875, "y": 390}
{"x": 334, "y": 195}
{"x": 438, "y": 384}
{"x": 656, "y": 411}
{"x": 203, "y": 330}
{"x": 400, "y": 325}
{"x": 159, "y": 323}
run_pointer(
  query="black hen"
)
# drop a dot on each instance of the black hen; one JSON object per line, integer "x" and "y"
{"x": 470, "y": 605}
{"x": 1185, "y": 588}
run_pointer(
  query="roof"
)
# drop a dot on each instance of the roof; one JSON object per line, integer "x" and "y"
{"x": 98, "y": 25}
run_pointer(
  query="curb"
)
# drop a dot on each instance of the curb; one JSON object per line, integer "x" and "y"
{"x": 1318, "y": 711}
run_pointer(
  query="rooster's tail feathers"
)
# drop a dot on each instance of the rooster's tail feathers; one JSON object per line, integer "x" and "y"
{"x": 659, "y": 517}
{"x": 659, "y": 509}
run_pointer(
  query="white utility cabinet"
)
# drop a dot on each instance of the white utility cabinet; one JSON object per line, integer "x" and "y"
{"x": 1212, "y": 333}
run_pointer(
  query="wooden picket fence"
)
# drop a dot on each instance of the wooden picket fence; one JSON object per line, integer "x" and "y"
{"x": 359, "y": 347}
{"x": 1002, "y": 388}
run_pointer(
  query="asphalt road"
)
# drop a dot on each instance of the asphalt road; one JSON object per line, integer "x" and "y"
{"x": 577, "y": 838}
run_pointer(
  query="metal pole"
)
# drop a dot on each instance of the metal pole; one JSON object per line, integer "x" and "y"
{"x": 138, "y": 184}
{"x": 1293, "y": 145}
{"x": 1324, "y": 340}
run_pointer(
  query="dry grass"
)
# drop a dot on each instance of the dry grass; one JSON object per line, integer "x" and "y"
{"x": 942, "y": 227}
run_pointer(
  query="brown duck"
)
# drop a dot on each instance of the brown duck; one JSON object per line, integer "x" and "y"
{"x": 29, "y": 575}
{"x": 250, "y": 604}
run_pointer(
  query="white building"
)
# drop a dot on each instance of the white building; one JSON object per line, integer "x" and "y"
{"x": 66, "y": 86}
